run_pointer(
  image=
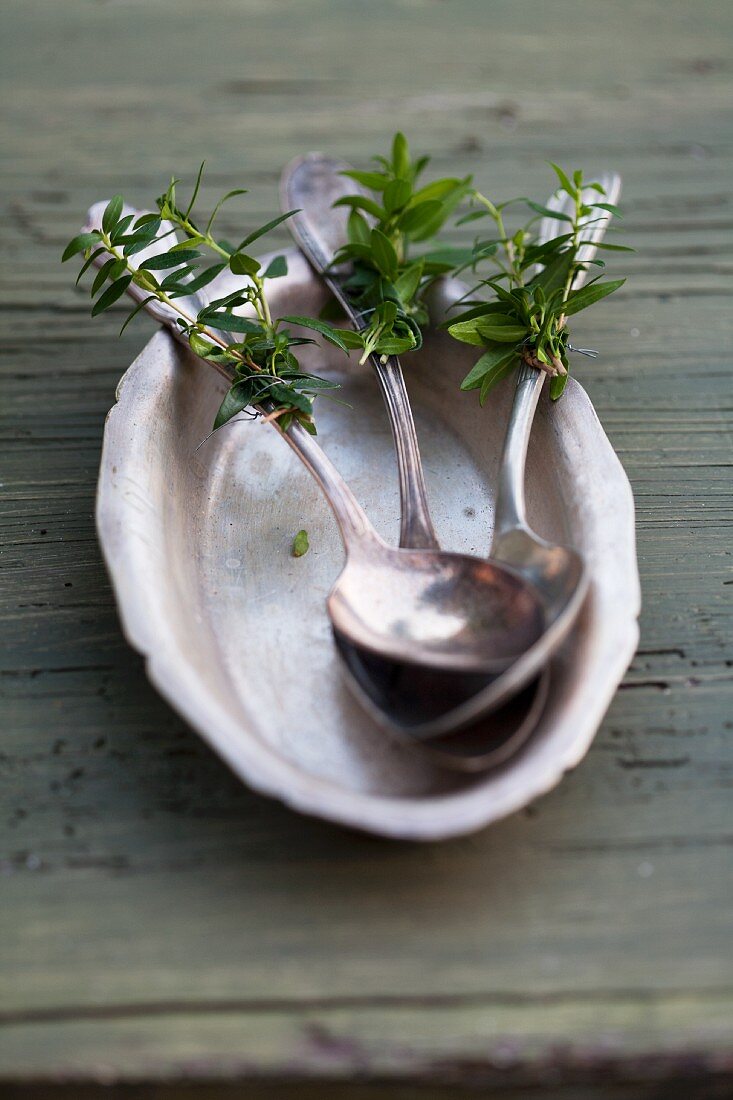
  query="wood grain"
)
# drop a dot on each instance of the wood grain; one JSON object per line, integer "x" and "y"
{"x": 160, "y": 923}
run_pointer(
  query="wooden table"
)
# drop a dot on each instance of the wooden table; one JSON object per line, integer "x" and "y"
{"x": 162, "y": 925}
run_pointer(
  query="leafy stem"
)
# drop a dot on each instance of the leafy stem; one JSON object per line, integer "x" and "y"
{"x": 388, "y": 215}
{"x": 526, "y": 322}
{"x": 256, "y": 354}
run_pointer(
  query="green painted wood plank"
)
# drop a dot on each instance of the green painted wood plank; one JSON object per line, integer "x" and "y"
{"x": 395, "y": 1041}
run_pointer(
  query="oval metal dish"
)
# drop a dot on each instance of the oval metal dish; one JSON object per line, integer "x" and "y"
{"x": 198, "y": 545}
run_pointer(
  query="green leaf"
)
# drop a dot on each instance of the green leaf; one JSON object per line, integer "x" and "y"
{"x": 194, "y": 196}
{"x": 112, "y": 213}
{"x": 557, "y": 386}
{"x": 384, "y": 255}
{"x": 263, "y": 229}
{"x": 358, "y": 228}
{"x": 117, "y": 268}
{"x": 301, "y": 545}
{"x": 236, "y": 298}
{"x": 230, "y": 322}
{"x": 237, "y": 399}
{"x": 204, "y": 278}
{"x": 483, "y": 309}
{"x": 490, "y": 362}
{"x": 555, "y": 274}
{"x": 145, "y": 228}
{"x": 164, "y": 260}
{"x": 494, "y": 376}
{"x": 609, "y": 206}
{"x": 361, "y": 202}
{"x": 200, "y": 346}
{"x": 352, "y": 252}
{"x": 80, "y": 244}
{"x": 353, "y": 340}
{"x": 416, "y": 219}
{"x": 217, "y": 208}
{"x": 587, "y": 295}
{"x": 189, "y": 243}
{"x": 101, "y": 277}
{"x": 386, "y": 313}
{"x": 408, "y": 282}
{"x": 120, "y": 229}
{"x": 140, "y": 306}
{"x": 396, "y": 194}
{"x": 611, "y": 247}
{"x": 148, "y": 221}
{"x": 548, "y": 213}
{"x": 242, "y": 264}
{"x": 501, "y": 329}
{"x": 473, "y": 216}
{"x": 175, "y": 278}
{"x": 145, "y": 280}
{"x": 111, "y": 294}
{"x": 419, "y": 165}
{"x": 447, "y": 257}
{"x": 285, "y": 395}
{"x": 89, "y": 261}
{"x": 400, "y": 156}
{"x": 276, "y": 268}
{"x": 564, "y": 181}
{"x": 132, "y": 247}
{"x": 376, "y": 181}
{"x": 431, "y": 225}
{"x": 467, "y": 332}
{"x": 395, "y": 345}
{"x": 439, "y": 189}
{"x": 332, "y": 335}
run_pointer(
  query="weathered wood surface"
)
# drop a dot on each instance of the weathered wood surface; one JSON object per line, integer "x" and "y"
{"x": 160, "y": 924}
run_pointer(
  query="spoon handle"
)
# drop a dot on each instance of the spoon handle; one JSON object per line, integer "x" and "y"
{"x": 416, "y": 526}
{"x": 510, "y": 503}
{"x": 312, "y": 184}
{"x": 355, "y": 527}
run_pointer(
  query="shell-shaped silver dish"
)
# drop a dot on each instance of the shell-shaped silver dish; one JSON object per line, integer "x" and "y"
{"x": 233, "y": 627}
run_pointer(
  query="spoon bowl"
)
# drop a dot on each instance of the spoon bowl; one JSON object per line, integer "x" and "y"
{"x": 558, "y": 572}
{"x": 436, "y": 609}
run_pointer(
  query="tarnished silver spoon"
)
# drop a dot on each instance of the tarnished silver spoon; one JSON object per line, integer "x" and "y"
{"x": 310, "y": 185}
{"x": 558, "y": 572}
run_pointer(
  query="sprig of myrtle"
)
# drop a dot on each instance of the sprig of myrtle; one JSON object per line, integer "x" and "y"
{"x": 256, "y": 351}
{"x": 386, "y": 282}
{"x": 526, "y": 322}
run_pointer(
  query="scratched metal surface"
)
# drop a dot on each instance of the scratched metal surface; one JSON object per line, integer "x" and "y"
{"x": 162, "y": 924}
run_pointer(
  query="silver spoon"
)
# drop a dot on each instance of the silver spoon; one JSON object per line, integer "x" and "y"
{"x": 314, "y": 182}
{"x": 311, "y": 184}
{"x": 392, "y": 692}
{"x": 423, "y": 606}
{"x": 558, "y": 572}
